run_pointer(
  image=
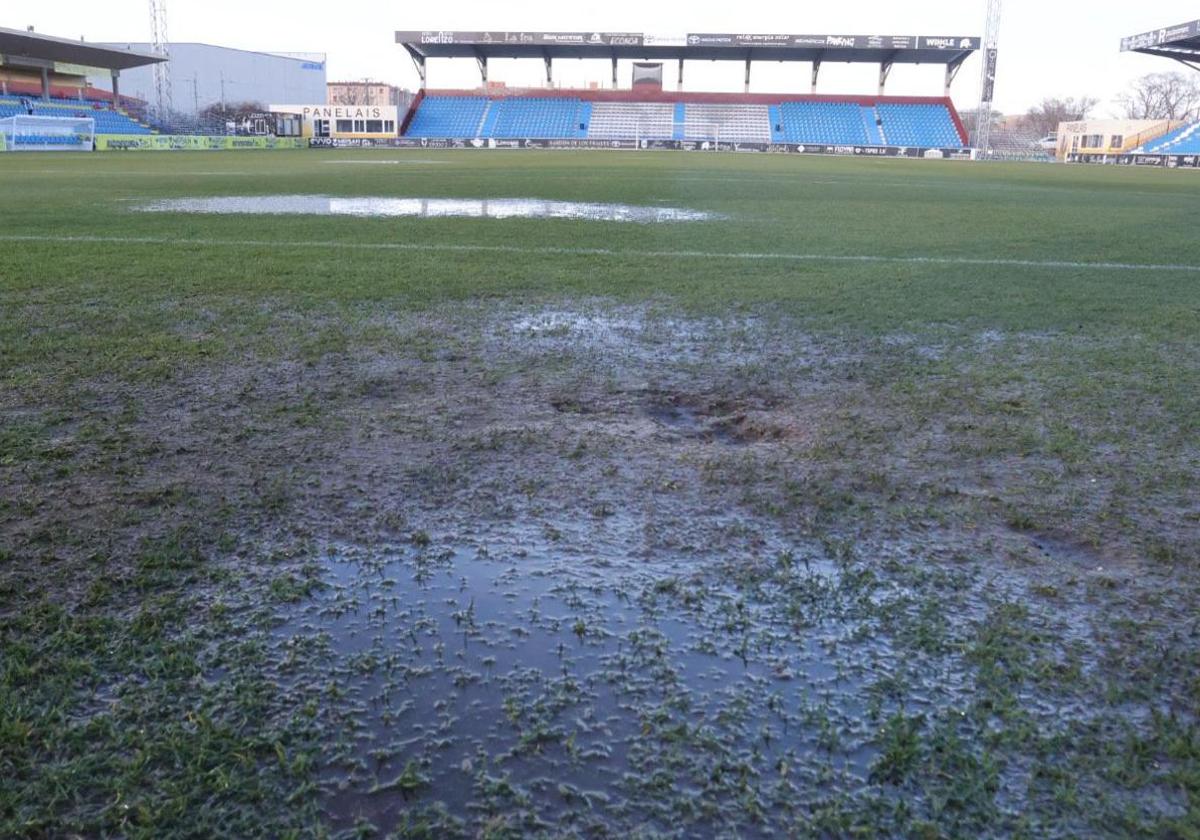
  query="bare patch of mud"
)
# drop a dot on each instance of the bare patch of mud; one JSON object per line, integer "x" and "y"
{"x": 733, "y": 421}
{"x": 425, "y": 208}
{"x": 565, "y": 568}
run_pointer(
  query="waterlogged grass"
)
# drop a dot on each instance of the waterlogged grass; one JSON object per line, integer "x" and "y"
{"x": 304, "y": 539}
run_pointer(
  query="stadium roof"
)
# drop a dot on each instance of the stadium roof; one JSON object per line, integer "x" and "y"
{"x": 868, "y": 49}
{"x": 18, "y": 46}
{"x": 1181, "y": 42}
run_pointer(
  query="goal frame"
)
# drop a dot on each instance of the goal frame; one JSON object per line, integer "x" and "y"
{"x": 77, "y": 134}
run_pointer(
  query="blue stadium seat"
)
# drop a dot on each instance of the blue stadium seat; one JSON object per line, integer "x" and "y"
{"x": 837, "y": 123}
{"x": 449, "y": 116}
{"x": 926, "y": 126}
{"x": 544, "y": 118}
{"x": 516, "y": 117}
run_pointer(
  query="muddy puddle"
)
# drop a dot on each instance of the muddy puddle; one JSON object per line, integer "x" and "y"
{"x": 427, "y": 208}
{"x": 579, "y": 685}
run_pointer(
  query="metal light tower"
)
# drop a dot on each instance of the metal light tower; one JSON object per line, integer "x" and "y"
{"x": 159, "y": 46}
{"x": 987, "y": 84}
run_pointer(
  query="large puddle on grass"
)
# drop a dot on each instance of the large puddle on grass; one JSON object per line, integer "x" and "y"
{"x": 563, "y": 687}
{"x": 430, "y": 208}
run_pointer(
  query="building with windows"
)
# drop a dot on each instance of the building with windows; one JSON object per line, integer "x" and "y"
{"x": 1103, "y": 138}
{"x": 367, "y": 92}
{"x": 345, "y": 122}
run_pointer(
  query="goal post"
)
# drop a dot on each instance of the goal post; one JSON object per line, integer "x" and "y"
{"x": 25, "y": 133}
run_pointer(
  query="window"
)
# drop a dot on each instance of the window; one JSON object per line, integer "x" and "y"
{"x": 1117, "y": 141}
{"x": 360, "y": 126}
{"x": 389, "y": 126}
{"x": 345, "y": 126}
{"x": 321, "y": 128}
{"x": 374, "y": 126}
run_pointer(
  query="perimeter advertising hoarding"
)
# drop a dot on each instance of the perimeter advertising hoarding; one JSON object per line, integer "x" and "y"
{"x": 698, "y": 39}
{"x": 676, "y": 145}
{"x": 1162, "y": 36}
{"x": 1165, "y": 161}
{"x": 188, "y": 142}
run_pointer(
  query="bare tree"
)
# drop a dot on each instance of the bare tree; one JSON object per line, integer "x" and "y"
{"x": 1163, "y": 96}
{"x": 230, "y": 112}
{"x": 1044, "y": 117}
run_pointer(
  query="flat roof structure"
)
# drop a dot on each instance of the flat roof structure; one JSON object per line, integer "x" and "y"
{"x": 31, "y": 49}
{"x": 883, "y": 50}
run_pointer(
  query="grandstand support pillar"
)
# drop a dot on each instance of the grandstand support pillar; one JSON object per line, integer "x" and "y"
{"x": 885, "y": 70}
{"x": 614, "y": 63}
{"x": 549, "y": 71}
{"x": 816, "y": 72}
{"x": 679, "y": 84}
{"x": 952, "y": 72}
{"x": 481, "y": 60}
{"x": 747, "y": 87}
{"x": 116, "y": 88}
{"x": 45, "y": 83}
{"x": 418, "y": 61}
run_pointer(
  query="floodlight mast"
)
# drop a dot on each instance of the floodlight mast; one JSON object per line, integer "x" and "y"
{"x": 987, "y": 83}
{"x": 159, "y": 46}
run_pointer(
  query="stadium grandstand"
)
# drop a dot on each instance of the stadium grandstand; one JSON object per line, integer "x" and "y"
{"x": 645, "y": 115}
{"x": 44, "y": 93}
{"x": 1170, "y": 143}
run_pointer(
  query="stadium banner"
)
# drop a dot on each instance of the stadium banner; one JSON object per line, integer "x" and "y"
{"x": 733, "y": 40}
{"x": 78, "y": 69}
{"x": 189, "y": 142}
{"x": 1159, "y": 37}
{"x": 989, "y": 76}
{"x": 631, "y": 145}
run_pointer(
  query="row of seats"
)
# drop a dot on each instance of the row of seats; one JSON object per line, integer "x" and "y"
{"x": 842, "y": 123}
{"x": 1182, "y": 141}
{"x": 478, "y": 116}
{"x": 108, "y": 121}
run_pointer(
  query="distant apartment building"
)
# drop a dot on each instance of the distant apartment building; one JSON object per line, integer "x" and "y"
{"x": 367, "y": 93}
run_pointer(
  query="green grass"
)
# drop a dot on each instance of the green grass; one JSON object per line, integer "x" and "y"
{"x": 999, "y": 461}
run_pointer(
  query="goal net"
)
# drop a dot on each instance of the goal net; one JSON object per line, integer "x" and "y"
{"x": 48, "y": 134}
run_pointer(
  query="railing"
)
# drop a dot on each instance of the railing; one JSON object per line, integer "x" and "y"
{"x": 1160, "y": 130}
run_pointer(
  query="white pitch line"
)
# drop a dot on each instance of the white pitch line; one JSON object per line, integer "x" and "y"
{"x": 602, "y": 252}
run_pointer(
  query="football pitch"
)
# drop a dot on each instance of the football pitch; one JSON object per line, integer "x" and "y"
{"x": 688, "y": 495}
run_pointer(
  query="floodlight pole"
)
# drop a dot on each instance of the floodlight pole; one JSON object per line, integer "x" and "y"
{"x": 159, "y": 46}
{"x": 987, "y": 83}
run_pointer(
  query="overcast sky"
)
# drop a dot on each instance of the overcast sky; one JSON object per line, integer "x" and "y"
{"x": 1047, "y": 48}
